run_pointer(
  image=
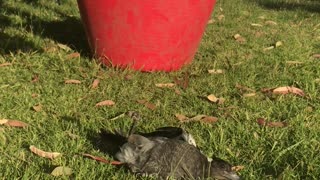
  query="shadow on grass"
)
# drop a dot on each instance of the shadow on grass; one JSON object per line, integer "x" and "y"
{"x": 67, "y": 31}
{"x": 306, "y": 5}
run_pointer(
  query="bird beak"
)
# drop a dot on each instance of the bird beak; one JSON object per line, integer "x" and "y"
{"x": 231, "y": 175}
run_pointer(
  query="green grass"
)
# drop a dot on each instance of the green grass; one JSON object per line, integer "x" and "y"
{"x": 31, "y": 30}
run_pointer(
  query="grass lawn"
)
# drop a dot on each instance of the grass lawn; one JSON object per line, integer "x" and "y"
{"x": 33, "y": 35}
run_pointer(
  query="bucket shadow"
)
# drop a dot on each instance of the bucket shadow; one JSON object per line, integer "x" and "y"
{"x": 67, "y": 30}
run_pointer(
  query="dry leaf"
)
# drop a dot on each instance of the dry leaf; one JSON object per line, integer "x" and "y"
{"x": 165, "y": 85}
{"x": 34, "y": 95}
{"x": 316, "y": 55}
{"x": 221, "y": 17}
{"x": 256, "y": 25}
{"x": 294, "y": 62}
{"x": 13, "y": 123}
{"x": 35, "y": 79}
{"x": 277, "y": 124}
{"x": 270, "y": 23}
{"x": 181, "y": 117}
{"x": 5, "y": 64}
{"x": 215, "y": 71}
{"x": 73, "y": 55}
{"x": 103, "y": 160}
{"x": 183, "y": 82}
{"x": 37, "y": 107}
{"x": 211, "y": 21}
{"x": 237, "y": 168}
{"x": 147, "y": 104}
{"x": 278, "y": 43}
{"x": 95, "y": 83}
{"x": 239, "y": 38}
{"x": 263, "y": 122}
{"x": 61, "y": 171}
{"x": 212, "y": 98}
{"x": 204, "y": 118}
{"x": 209, "y": 119}
{"x": 64, "y": 47}
{"x": 72, "y": 81}
{"x": 268, "y": 48}
{"x": 249, "y": 94}
{"x": 106, "y": 103}
{"x": 177, "y": 91}
{"x": 41, "y": 153}
{"x": 288, "y": 89}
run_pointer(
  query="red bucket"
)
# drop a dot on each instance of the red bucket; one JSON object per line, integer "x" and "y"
{"x": 146, "y": 35}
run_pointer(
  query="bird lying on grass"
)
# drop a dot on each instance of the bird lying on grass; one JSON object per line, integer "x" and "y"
{"x": 171, "y": 158}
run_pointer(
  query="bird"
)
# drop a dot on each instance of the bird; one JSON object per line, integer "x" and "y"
{"x": 171, "y": 158}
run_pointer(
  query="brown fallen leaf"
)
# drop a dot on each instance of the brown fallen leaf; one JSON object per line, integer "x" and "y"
{"x": 256, "y": 25}
{"x": 34, "y": 95}
{"x": 35, "y": 78}
{"x": 212, "y": 98}
{"x": 183, "y": 82}
{"x": 249, "y": 94}
{"x": 37, "y": 107}
{"x": 270, "y": 23}
{"x": 165, "y": 85}
{"x": 237, "y": 168}
{"x": 95, "y": 83}
{"x": 181, "y": 117}
{"x": 41, "y": 153}
{"x": 204, "y": 118}
{"x": 215, "y": 71}
{"x": 288, "y": 89}
{"x": 72, "y": 81}
{"x": 106, "y": 103}
{"x": 316, "y": 56}
{"x": 221, "y": 17}
{"x": 101, "y": 159}
{"x": 62, "y": 171}
{"x": 5, "y": 64}
{"x": 268, "y": 48}
{"x": 73, "y": 55}
{"x": 211, "y": 21}
{"x": 239, "y": 38}
{"x": 13, "y": 123}
{"x": 147, "y": 104}
{"x": 263, "y": 122}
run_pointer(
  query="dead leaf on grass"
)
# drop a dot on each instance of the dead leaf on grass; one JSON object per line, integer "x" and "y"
{"x": 256, "y": 25}
{"x": 268, "y": 48}
{"x": 147, "y": 104}
{"x": 37, "y": 107}
{"x": 41, "y": 153}
{"x": 278, "y": 44}
{"x": 294, "y": 62}
{"x": 72, "y": 81}
{"x": 237, "y": 168}
{"x": 211, "y": 21}
{"x": 215, "y": 71}
{"x": 221, "y": 17}
{"x": 103, "y": 160}
{"x": 288, "y": 89}
{"x": 13, "y": 123}
{"x": 95, "y": 84}
{"x": 165, "y": 85}
{"x": 73, "y": 55}
{"x": 62, "y": 171}
{"x": 181, "y": 117}
{"x": 204, "y": 118}
{"x": 183, "y": 82}
{"x": 34, "y": 95}
{"x": 316, "y": 56}
{"x": 212, "y": 98}
{"x": 263, "y": 122}
{"x": 35, "y": 78}
{"x": 270, "y": 23}
{"x": 5, "y": 64}
{"x": 64, "y": 47}
{"x": 106, "y": 103}
{"x": 249, "y": 94}
{"x": 239, "y": 38}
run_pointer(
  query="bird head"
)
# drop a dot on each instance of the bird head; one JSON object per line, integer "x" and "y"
{"x": 221, "y": 169}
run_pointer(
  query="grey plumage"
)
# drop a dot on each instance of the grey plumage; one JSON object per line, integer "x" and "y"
{"x": 171, "y": 158}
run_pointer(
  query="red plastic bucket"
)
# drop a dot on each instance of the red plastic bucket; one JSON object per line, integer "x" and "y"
{"x": 146, "y": 35}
